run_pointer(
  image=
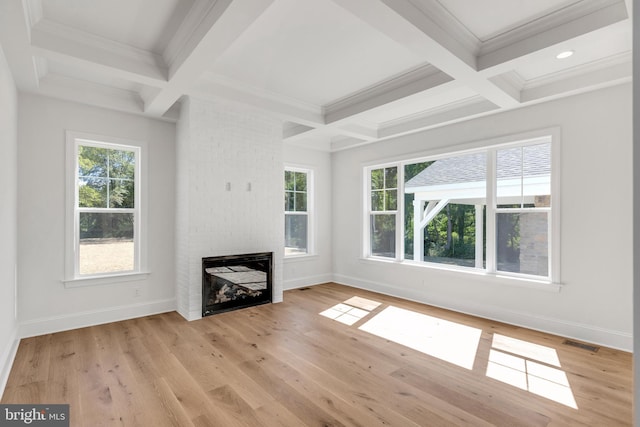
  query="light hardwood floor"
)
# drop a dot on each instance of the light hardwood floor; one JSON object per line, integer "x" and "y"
{"x": 285, "y": 364}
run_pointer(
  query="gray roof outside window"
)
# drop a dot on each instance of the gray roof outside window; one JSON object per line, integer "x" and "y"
{"x": 536, "y": 160}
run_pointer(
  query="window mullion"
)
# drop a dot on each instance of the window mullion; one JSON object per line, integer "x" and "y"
{"x": 491, "y": 189}
{"x": 400, "y": 213}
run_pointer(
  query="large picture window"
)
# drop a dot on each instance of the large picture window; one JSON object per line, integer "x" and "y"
{"x": 105, "y": 208}
{"x": 486, "y": 209}
{"x": 297, "y": 206}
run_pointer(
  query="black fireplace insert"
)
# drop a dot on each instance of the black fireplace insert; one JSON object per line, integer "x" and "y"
{"x": 236, "y": 281}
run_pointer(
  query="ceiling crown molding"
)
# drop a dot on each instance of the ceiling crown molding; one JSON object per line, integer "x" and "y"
{"x": 262, "y": 93}
{"x": 65, "y": 44}
{"x": 613, "y": 62}
{"x": 48, "y": 28}
{"x": 34, "y": 12}
{"x": 211, "y": 85}
{"x": 414, "y": 81}
{"x": 444, "y": 19}
{"x": 191, "y": 30}
{"x": 553, "y": 20}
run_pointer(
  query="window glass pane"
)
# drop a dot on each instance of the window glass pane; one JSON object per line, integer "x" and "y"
{"x": 301, "y": 202}
{"x": 391, "y": 200}
{"x": 289, "y": 201}
{"x": 122, "y": 164}
{"x": 410, "y": 171}
{"x": 451, "y": 237}
{"x": 377, "y": 200}
{"x": 524, "y": 176}
{"x": 295, "y": 234}
{"x": 301, "y": 181}
{"x": 92, "y": 192}
{"x": 92, "y": 161}
{"x": 289, "y": 180}
{"x": 537, "y": 174}
{"x": 522, "y": 242}
{"x": 106, "y": 243}
{"x": 121, "y": 193}
{"x": 383, "y": 235}
{"x": 447, "y": 192}
{"x": 391, "y": 177}
{"x": 377, "y": 179}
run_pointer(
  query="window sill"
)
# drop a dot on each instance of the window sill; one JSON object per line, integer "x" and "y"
{"x": 105, "y": 280}
{"x": 299, "y": 258}
{"x": 493, "y": 278}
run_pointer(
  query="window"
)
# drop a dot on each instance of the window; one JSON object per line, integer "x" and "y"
{"x": 523, "y": 209}
{"x": 383, "y": 211}
{"x": 104, "y": 212}
{"x": 486, "y": 209}
{"x": 297, "y": 206}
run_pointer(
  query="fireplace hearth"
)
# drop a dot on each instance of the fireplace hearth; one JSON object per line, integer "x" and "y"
{"x": 236, "y": 281}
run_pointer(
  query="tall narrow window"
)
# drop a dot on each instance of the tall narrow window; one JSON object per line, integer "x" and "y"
{"x": 523, "y": 209}
{"x": 383, "y": 211}
{"x": 297, "y": 207}
{"x": 106, "y": 208}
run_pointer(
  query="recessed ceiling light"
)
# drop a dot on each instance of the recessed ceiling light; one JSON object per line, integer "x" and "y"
{"x": 565, "y": 54}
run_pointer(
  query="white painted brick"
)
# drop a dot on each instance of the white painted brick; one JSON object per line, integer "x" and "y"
{"x": 220, "y": 142}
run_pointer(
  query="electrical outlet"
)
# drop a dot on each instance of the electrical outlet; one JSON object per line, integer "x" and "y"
{"x": 136, "y": 292}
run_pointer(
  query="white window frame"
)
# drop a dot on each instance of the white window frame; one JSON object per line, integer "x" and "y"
{"x": 490, "y": 147}
{"x": 398, "y": 212}
{"x": 310, "y": 212}
{"x": 73, "y": 278}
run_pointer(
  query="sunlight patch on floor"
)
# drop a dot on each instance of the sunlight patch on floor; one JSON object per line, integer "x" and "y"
{"x": 526, "y": 349}
{"x": 530, "y": 367}
{"x": 452, "y": 342}
{"x": 351, "y": 310}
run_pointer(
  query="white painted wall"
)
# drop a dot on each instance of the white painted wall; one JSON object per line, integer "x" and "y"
{"x": 8, "y": 219}
{"x": 595, "y": 303}
{"x": 219, "y": 143}
{"x": 45, "y": 305}
{"x": 316, "y": 268}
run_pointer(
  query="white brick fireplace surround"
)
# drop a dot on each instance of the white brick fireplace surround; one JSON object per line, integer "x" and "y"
{"x": 229, "y": 192}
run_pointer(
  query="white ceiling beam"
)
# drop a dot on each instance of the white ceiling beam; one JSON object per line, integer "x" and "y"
{"x": 304, "y": 114}
{"x": 97, "y": 95}
{"x": 15, "y": 38}
{"x": 440, "y": 117}
{"x": 92, "y": 53}
{"x": 355, "y": 130}
{"x": 71, "y": 89}
{"x": 496, "y": 57}
{"x": 220, "y": 26}
{"x": 344, "y": 143}
{"x": 348, "y": 130}
{"x": 411, "y": 83}
{"x": 571, "y": 83}
{"x": 425, "y": 38}
{"x": 290, "y": 130}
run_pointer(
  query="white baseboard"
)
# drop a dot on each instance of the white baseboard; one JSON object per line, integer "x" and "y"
{"x": 301, "y": 282}
{"x": 6, "y": 359}
{"x": 583, "y": 332}
{"x": 48, "y": 325}
{"x": 190, "y": 315}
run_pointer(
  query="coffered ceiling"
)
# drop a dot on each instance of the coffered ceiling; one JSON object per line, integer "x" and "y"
{"x": 339, "y": 73}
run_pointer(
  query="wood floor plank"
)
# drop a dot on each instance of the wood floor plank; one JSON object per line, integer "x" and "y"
{"x": 287, "y": 365}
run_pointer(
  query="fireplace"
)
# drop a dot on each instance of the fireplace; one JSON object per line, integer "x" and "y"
{"x": 236, "y": 281}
